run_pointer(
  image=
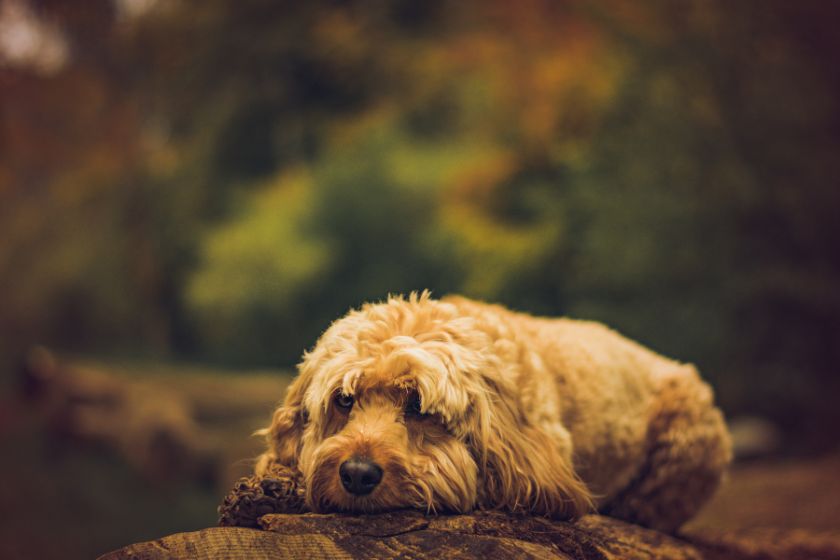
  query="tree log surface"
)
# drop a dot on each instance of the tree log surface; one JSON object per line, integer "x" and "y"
{"x": 486, "y": 535}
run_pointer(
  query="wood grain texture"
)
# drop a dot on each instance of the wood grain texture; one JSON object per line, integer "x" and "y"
{"x": 409, "y": 534}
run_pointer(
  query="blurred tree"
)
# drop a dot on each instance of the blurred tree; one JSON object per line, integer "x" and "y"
{"x": 255, "y": 270}
{"x": 223, "y": 178}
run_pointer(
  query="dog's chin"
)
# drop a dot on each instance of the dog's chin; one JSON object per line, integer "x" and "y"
{"x": 330, "y": 497}
{"x": 337, "y": 500}
{"x": 351, "y": 504}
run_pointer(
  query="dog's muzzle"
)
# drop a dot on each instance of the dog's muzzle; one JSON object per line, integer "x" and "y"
{"x": 359, "y": 475}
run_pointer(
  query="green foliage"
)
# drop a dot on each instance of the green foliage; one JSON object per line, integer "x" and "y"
{"x": 254, "y": 268}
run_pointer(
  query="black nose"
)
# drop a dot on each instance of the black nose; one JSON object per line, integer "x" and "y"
{"x": 359, "y": 476}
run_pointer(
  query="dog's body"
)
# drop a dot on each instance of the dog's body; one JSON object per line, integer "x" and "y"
{"x": 452, "y": 405}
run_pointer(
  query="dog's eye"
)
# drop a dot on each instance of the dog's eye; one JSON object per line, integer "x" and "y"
{"x": 344, "y": 402}
{"x": 412, "y": 405}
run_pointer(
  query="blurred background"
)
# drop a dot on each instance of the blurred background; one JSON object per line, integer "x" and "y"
{"x": 190, "y": 191}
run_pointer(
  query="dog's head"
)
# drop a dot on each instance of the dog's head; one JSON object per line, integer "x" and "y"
{"x": 406, "y": 404}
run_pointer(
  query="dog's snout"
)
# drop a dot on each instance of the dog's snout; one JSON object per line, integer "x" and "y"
{"x": 359, "y": 476}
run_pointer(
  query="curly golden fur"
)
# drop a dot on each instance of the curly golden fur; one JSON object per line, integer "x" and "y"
{"x": 469, "y": 405}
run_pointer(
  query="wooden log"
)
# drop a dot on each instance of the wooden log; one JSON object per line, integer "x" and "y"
{"x": 409, "y": 534}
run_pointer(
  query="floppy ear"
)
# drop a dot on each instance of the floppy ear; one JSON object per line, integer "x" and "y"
{"x": 525, "y": 469}
{"x": 284, "y": 434}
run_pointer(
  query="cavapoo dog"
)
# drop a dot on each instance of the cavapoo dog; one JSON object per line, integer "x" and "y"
{"x": 451, "y": 405}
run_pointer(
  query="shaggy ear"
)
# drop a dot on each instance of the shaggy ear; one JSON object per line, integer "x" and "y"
{"x": 525, "y": 470}
{"x": 284, "y": 434}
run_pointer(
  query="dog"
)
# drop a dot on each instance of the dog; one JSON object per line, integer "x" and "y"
{"x": 453, "y": 405}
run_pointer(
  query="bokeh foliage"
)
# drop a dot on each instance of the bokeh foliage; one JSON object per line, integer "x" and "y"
{"x": 220, "y": 179}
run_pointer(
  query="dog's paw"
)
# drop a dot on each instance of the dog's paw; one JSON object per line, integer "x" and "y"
{"x": 280, "y": 491}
